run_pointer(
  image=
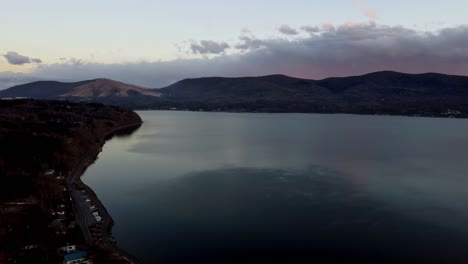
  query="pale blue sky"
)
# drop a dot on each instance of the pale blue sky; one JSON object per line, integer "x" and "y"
{"x": 90, "y": 34}
{"x": 126, "y": 31}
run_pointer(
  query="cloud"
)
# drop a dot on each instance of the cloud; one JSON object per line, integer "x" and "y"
{"x": 9, "y": 79}
{"x": 249, "y": 43}
{"x": 336, "y": 50}
{"x": 36, "y": 60}
{"x": 246, "y": 30}
{"x": 287, "y": 30}
{"x": 310, "y": 29}
{"x": 328, "y": 27}
{"x": 209, "y": 47}
{"x": 15, "y": 58}
{"x": 369, "y": 13}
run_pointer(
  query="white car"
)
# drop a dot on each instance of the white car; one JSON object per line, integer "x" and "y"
{"x": 58, "y": 213}
{"x": 31, "y": 247}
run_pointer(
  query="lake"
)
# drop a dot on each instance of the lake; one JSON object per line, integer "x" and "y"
{"x": 194, "y": 187}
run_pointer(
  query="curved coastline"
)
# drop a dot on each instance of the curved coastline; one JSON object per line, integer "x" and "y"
{"x": 104, "y": 239}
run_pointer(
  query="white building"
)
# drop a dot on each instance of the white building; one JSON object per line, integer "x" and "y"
{"x": 67, "y": 249}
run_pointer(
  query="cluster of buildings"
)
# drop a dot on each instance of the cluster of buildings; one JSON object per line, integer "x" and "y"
{"x": 24, "y": 234}
{"x": 94, "y": 219}
{"x": 62, "y": 226}
{"x": 71, "y": 255}
{"x": 61, "y": 217}
{"x": 62, "y": 221}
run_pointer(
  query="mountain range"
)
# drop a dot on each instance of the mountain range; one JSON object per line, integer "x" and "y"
{"x": 385, "y": 92}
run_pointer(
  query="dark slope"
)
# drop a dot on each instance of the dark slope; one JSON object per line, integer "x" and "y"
{"x": 386, "y": 92}
{"x": 41, "y": 89}
{"x": 397, "y": 83}
{"x": 379, "y": 83}
{"x": 240, "y": 88}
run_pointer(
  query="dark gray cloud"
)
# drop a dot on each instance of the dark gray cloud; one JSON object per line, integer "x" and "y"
{"x": 248, "y": 43}
{"x": 287, "y": 30}
{"x": 9, "y": 79}
{"x": 349, "y": 49}
{"x": 15, "y": 58}
{"x": 33, "y": 60}
{"x": 209, "y": 47}
{"x": 311, "y": 29}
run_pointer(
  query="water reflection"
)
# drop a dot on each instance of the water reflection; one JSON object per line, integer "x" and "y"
{"x": 254, "y": 214}
{"x": 240, "y": 188}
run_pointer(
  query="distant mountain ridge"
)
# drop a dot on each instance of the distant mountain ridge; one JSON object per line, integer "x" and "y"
{"x": 243, "y": 87}
{"x": 41, "y": 89}
{"x": 387, "y": 92}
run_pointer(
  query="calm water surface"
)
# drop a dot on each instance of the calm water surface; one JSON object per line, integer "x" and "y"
{"x": 292, "y": 188}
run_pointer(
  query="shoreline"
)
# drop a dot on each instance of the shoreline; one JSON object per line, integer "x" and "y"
{"x": 307, "y": 113}
{"x": 104, "y": 239}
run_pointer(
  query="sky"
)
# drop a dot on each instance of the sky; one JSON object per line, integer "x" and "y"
{"x": 156, "y": 43}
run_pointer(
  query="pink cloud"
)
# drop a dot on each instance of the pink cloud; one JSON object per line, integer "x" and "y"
{"x": 350, "y": 24}
{"x": 369, "y": 13}
{"x": 328, "y": 27}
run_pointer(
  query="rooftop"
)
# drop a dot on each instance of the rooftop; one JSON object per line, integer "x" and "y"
{"x": 75, "y": 255}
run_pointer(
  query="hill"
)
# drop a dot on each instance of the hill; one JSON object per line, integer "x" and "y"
{"x": 78, "y": 91}
{"x": 242, "y": 88}
{"x": 385, "y": 92}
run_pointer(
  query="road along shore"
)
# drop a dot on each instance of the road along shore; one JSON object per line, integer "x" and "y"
{"x": 100, "y": 234}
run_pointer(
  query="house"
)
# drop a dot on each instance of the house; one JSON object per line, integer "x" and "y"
{"x": 67, "y": 249}
{"x": 79, "y": 257}
{"x": 31, "y": 247}
{"x": 58, "y": 213}
{"x": 49, "y": 172}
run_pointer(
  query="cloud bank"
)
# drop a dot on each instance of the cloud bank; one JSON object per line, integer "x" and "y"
{"x": 316, "y": 52}
{"x": 287, "y": 30}
{"x": 14, "y": 58}
{"x": 209, "y": 47}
